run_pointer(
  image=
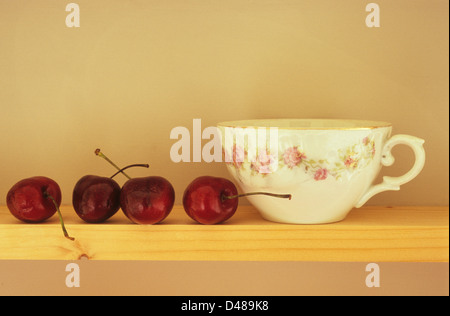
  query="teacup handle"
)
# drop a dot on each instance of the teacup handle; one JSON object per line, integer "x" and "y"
{"x": 394, "y": 183}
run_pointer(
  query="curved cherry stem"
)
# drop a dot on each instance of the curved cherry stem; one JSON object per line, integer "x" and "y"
{"x": 130, "y": 166}
{"x": 100, "y": 154}
{"x": 48, "y": 196}
{"x": 281, "y": 196}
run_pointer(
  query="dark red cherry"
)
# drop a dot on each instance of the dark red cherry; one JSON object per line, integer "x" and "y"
{"x": 96, "y": 199}
{"x": 147, "y": 200}
{"x": 35, "y": 200}
{"x": 212, "y": 200}
{"x": 203, "y": 200}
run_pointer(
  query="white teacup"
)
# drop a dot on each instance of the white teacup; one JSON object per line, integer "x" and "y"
{"x": 328, "y": 166}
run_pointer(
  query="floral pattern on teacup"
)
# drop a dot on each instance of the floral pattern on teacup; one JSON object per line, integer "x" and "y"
{"x": 264, "y": 163}
{"x": 321, "y": 174}
{"x": 348, "y": 159}
{"x": 293, "y": 157}
{"x": 237, "y": 157}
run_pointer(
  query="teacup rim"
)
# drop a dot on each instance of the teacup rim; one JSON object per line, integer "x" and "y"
{"x": 352, "y": 124}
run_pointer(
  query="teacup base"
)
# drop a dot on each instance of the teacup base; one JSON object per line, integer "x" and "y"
{"x": 300, "y": 210}
{"x": 302, "y": 222}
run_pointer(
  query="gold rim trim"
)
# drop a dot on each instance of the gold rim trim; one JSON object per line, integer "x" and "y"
{"x": 358, "y": 124}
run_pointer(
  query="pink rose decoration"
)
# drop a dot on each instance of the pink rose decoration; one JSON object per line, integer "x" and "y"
{"x": 237, "y": 157}
{"x": 293, "y": 157}
{"x": 350, "y": 162}
{"x": 366, "y": 141}
{"x": 321, "y": 174}
{"x": 264, "y": 162}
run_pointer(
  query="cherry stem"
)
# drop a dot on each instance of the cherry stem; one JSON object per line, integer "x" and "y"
{"x": 48, "y": 196}
{"x": 100, "y": 154}
{"x": 131, "y": 166}
{"x": 281, "y": 196}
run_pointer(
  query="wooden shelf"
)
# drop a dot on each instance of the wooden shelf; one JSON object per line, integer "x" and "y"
{"x": 369, "y": 234}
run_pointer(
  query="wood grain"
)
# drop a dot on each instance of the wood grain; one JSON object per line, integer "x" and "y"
{"x": 369, "y": 234}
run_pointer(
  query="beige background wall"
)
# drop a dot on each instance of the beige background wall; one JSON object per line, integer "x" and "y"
{"x": 136, "y": 69}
